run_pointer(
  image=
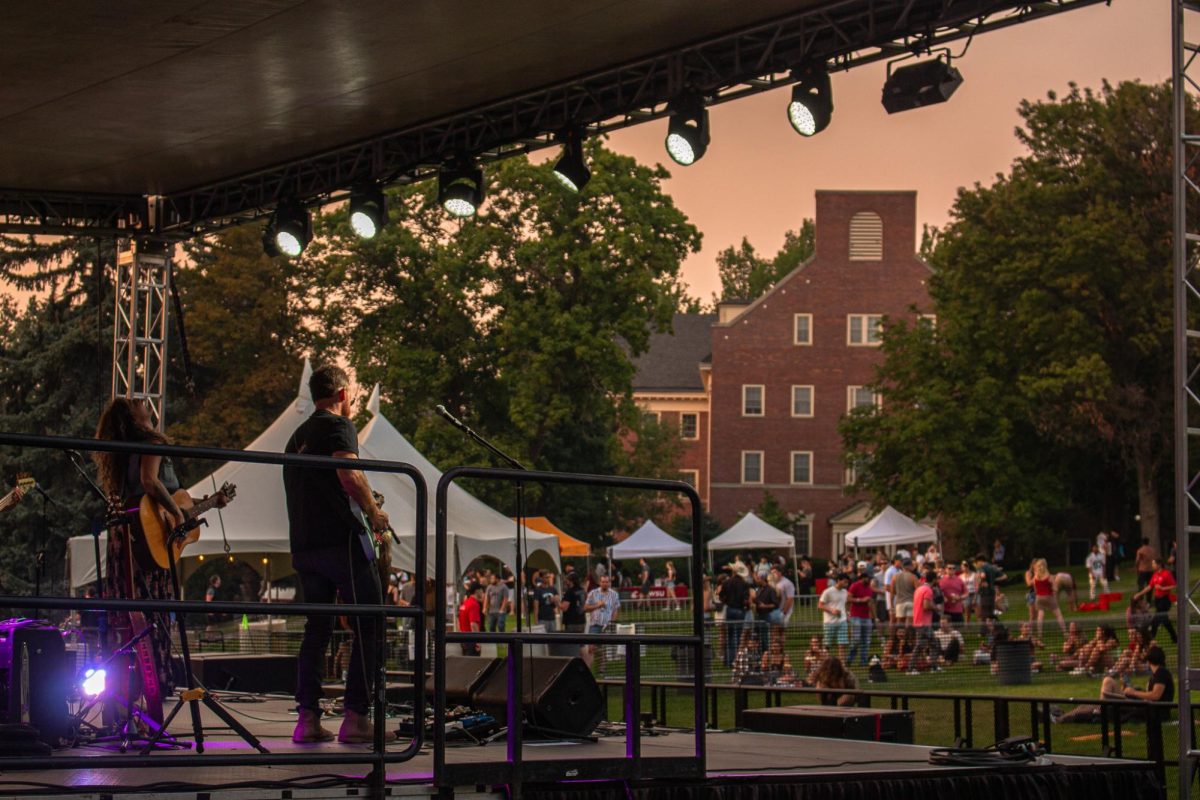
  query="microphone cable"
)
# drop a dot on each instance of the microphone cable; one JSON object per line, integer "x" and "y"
{"x": 1009, "y": 752}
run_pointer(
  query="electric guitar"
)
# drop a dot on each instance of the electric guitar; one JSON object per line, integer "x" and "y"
{"x": 25, "y": 482}
{"x": 157, "y": 533}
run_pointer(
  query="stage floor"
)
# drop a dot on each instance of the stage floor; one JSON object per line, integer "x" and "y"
{"x": 733, "y": 759}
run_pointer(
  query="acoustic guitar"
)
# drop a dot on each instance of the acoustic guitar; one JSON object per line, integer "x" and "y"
{"x": 156, "y": 533}
{"x": 25, "y": 482}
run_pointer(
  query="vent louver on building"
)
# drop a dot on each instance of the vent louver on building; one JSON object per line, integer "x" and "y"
{"x": 866, "y": 237}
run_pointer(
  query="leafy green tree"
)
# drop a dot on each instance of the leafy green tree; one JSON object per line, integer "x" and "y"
{"x": 514, "y": 320}
{"x": 745, "y": 275}
{"x": 1053, "y": 336}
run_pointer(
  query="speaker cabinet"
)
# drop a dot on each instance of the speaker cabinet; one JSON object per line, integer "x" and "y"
{"x": 561, "y": 695}
{"x": 35, "y": 677}
{"x": 464, "y": 676}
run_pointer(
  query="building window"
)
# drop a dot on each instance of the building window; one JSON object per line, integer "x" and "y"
{"x": 866, "y": 237}
{"x": 752, "y": 471}
{"x": 802, "y": 401}
{"x": 929, "y": 320}
{"x": 689, "y": 426}
{"x": 864, "y": 330}
{"x": 862, "y": 397}
{"x": 649, "y": 417}
{"x": 691, "y": 477}
{"x": 752, "y": 400}
{"x": 803, "y": 533}
{"x": 802, "y": 466}
{"x": 803, "y": 329}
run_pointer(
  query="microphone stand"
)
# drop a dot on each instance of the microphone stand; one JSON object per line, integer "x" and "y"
{"x": 39, "y": 559}
{"x": 518, "y": 566}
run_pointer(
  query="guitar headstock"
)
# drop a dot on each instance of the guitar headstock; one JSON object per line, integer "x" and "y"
{"x": 25, "y": 481}
{"x": 229, "y": 490}
{"x": 378, "y": 498}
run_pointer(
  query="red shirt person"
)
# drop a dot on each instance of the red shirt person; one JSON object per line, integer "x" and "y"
{"x": 470, "y": 617}
{"x": 1160, "y": 587}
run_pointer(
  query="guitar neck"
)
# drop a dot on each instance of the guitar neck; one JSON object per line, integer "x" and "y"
{"x": 206, "y": 504}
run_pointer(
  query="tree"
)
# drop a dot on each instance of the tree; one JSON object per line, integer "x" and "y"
{"x": 1053, "y": 336}
{"x": 515, "y": 320}
{"x": 746, "y": 276}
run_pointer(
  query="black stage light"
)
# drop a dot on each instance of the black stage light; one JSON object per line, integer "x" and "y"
{"x": 289, "y": 231}
{"x": 812, "y": 104}
{"x": 571, "y": 170}
{"x": 368, "y": 211}
{"x": 687, "y": 132}
{"x": 460, "y": 190}
{"x": 921, "y": 84}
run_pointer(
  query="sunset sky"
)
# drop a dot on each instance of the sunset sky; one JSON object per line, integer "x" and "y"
{"x": 758, "y": 177}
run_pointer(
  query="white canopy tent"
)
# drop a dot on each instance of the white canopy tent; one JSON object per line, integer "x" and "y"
{"x": 890, "y": 527}
{"x": 256, "y": 524}
{"x": 650, "y": 541}
{"x": 751, "y": 533}
{"x": 474, "y": 529}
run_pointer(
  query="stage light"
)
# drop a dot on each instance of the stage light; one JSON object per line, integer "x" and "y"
{"x": 812, "y": 105}
{"x": 460, "y": 190}
{"x": 368, "y": 211}
{"x": 289, "y": 231}
{"x": 921, "y": 84}
{"x": 93, "y": 682}
{"x": 571, "y": 170}
{"x": 687, "y": 131}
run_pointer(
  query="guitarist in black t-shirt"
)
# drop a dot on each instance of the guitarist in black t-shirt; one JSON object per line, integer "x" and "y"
{"x": 332, "y": 554}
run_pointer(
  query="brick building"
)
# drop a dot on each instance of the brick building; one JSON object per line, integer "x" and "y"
{"x": 759, "y": 388}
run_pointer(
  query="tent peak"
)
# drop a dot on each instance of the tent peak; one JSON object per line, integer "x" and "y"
{"x": 373, "y": 401}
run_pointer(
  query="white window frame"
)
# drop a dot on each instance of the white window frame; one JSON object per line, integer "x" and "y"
{"x": 761, "y": 467}
{"x": 863, "y": 323}
{"x": 695, "y": 414}
{"x": 876, "y": 398}
{"x": 928, "y": 319}
{"x": 812, "y": 401}
{"x": 762, "y": 399}
{"x": 792, "y": 467}
{"x": 657, "y": 415}
{"x": 796, "y": 332}
{"x": 695, "y": 473}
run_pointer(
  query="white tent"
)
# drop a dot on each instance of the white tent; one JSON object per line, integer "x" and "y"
{"x": 474, "y": 529}
{"x": 256, "y": 523}
{"x": 750, "y": 533}
{"x": 890, "y": 527}
{"x": 650, "y": 541}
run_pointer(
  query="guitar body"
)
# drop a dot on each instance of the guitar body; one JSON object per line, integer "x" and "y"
{"x": 155, "y": 524}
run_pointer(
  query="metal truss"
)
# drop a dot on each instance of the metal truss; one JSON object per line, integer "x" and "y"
{"x": 140, "y": 324}
{"x": 68, "y": 213}
{"x": 1185, "y": 17}
{"x": 838, "y": 35}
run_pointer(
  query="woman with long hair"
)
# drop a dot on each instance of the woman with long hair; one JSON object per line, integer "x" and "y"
{"x": 1041, "y": 581}
{"x": 129, "y": 477}
{"x": 832, "y": 674}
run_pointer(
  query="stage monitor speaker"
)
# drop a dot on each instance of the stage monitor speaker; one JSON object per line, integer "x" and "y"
{"x": 561, "y": 696}
{"x": 464, "y": 676}
{"x": 35, "y": 677}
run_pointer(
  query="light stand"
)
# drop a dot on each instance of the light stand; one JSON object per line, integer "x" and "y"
{"x": 194, "y": 694}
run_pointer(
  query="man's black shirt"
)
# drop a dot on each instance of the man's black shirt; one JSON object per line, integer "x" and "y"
{"x": 545, "y": 600}
{"x": 319, "y": 511}
{"x": 574, "y": 615}
{"x": 1163, "y": 675}
{"x": 735, "y": 593}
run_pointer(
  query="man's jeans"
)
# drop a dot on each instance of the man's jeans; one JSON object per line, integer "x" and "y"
{"x": 496, "y": 621}
{"x": 860, "y": 639}
{"x": 733, "y": 632}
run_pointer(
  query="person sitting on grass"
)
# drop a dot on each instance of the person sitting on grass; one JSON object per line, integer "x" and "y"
{"x": 746, "y": 663}
{"x": 987, "y": 641}
{"x": 1139, "y": 616}
{"x": 1070, "y": 647}
{"x": 891, "y": 650}
{"x": 1025, "y": 634}
{"x": 904, "y": 650}
{"x": 775, "y": 661}
{"x": 1161, "y": 687}
{"x": 1111, "y": 688}
{"x": 1095, "y": 656}
{"x": 814, "y": 658}
{"x": 833, "y": 675}
{"x": 1133, "y": 658}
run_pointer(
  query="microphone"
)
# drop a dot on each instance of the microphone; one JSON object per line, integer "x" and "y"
{"x": 74, "y": 455}
{"x": 453, "y": 420}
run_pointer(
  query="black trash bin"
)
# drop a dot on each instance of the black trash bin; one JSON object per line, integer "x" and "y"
{"x": 1014, "y": 661}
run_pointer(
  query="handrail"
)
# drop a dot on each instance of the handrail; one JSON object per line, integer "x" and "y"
{"x": 379, "y": 757}
{"x": 517, "y": 640}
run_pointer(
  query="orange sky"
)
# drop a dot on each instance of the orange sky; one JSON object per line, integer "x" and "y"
{"x": 758, "y": 177}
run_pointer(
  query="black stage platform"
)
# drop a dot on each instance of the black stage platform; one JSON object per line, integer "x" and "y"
{"x": 754, "y": 766}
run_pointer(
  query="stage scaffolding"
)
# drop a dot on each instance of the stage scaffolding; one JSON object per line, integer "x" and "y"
{"x": 140, "y": 326}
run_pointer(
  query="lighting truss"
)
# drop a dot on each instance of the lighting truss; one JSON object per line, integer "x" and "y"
{"x": 843, "y": 34}
{"x": 140, "y": 324}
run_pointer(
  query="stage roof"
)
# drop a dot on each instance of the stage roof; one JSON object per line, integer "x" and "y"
{"x": 224, "y": 107}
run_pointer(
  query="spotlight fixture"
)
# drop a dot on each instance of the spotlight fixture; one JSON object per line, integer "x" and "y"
{"x": 368, "y": 211}
{"x": 460, "y": 189}
{"x": 687, "y": 131}
{"x": 571, "y": 170}
{"x": 93, "y": 682}
{"x": 812, "y": 104}
{"x": 289, "y": 231}
{"x": 921, "y": 84}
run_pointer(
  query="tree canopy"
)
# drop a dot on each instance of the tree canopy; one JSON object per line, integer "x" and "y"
{"x": 745, "y": 275}
{"x": 1050, "y": 360}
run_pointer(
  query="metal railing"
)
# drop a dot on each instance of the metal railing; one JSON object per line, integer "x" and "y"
{"x": 515, "y": 770}
{"x": 379, "y": 756}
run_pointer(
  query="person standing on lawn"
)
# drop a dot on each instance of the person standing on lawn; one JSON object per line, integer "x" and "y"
{"x": 990, "y": 578}
{"x": 1143, "y": 563}
{"x": 1096, "y": 576}
{"x": 832, "y": 604}
{"x": 1160, "y": 587}
{"x": 860, "y": 598}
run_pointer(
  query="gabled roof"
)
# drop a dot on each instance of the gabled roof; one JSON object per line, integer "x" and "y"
{"x": 672, "y": 360}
